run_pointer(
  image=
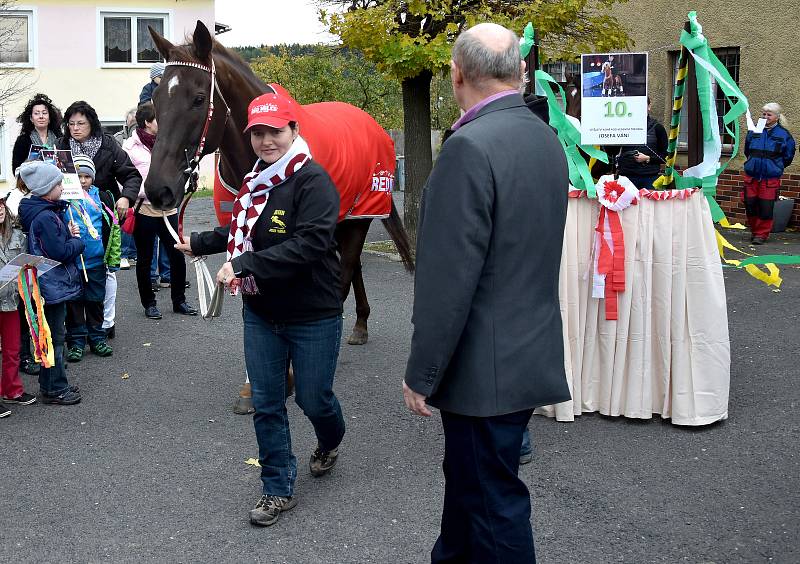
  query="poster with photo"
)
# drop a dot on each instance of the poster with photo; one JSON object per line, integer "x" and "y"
{"x": 62, "y": 158}
{"x": 35, "y": 153}
{"x": 614, "y": 99}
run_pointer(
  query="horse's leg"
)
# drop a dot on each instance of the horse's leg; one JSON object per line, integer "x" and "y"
{"x": 351, "y": 234}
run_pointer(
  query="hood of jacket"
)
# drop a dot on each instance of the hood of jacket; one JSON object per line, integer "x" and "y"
{"x": 538, "y": 105}
{"x": 31, "y": 207}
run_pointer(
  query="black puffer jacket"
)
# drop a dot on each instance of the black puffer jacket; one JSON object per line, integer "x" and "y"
{"x": 113, "y": 168}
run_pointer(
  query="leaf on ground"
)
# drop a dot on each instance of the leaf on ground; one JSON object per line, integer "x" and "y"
{"x": 147, "y": 344}
{"x": 125, "y": 376}
{"x": 252, "y": 462}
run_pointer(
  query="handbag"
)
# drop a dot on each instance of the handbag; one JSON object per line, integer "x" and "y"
{"x": 129, "y": 223}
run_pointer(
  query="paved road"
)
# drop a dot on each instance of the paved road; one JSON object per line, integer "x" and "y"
{"x": 152, "y": 467}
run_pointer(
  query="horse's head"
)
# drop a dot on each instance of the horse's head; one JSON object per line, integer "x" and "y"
{"x": 182, "y": 110}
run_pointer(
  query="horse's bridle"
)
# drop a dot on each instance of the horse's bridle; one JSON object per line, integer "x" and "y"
{"x": 205, "y": 283}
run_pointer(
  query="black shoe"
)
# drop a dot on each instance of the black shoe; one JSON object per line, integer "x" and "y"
{"x": 22, "y": 399}
{"x": 154, "y": 286}
{"x": 184, "y": 309}
{"x": 322, "y": 461}
{"x": 5, "y": 412}
{"x": 187, "y": 284}
{"x": 525, "y": 458}
{"x": 152, "y": 312}
{"x": 30, "y": 366}
{"x": 111, "y": 332}
{"x": 69, "y": 397}
{"x": 758, "y": 241}
{"x": 269, "y": 508}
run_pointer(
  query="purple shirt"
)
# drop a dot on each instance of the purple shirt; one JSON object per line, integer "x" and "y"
{"x": 470, "y": 114}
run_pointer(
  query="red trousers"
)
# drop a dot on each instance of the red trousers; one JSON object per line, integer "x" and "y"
{"x": 10, "y": 382}
{"x": 759, "y": 202}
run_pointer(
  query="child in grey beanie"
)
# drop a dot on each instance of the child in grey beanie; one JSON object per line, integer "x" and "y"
{"x": 41, "y": 177}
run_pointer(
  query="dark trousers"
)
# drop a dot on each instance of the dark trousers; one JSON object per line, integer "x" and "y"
{"x": 759, "y": 204}
{"x": 145, "y": 232}
{"x": 53, "y": 381}
{"x": 487, "y": 508}
{"x": 85, "y": 315}
{"x": 25, "y": 352}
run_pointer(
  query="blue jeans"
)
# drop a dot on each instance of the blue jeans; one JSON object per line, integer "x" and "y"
{"x": 159, "y": 266}
{"x": 313, "y": 349}
{"x": 128, "y": 247}
{"x": 527, "y": 448}
{"x": 53, "y": 380}
{"x": 85, "y": 315}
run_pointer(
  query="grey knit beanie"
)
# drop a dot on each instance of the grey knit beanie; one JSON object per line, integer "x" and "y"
{"x": 40, "y": 177}
{"x": 157, "y": 70}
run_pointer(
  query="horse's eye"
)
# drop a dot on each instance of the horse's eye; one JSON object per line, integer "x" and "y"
{"x": 198, "y": 101}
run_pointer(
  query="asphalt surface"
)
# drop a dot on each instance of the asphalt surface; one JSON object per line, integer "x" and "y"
{"x": 151, "y": 465}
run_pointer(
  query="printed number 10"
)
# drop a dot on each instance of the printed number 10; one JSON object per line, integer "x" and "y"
{"x": 620, "y": 109}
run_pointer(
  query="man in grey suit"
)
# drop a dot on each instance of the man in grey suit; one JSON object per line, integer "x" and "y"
{"x": 487, "y": 345}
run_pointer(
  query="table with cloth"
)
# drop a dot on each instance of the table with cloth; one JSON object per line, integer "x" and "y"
{"x": 668, "y": 352}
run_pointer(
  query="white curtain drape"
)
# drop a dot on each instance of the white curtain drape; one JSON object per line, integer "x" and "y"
{"x": 669, "y": 351}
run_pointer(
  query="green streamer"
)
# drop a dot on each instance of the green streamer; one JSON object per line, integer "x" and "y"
{"x": 774, "y": 259}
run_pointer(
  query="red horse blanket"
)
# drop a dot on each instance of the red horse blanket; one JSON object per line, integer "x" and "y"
{"x": 356, "y": 151}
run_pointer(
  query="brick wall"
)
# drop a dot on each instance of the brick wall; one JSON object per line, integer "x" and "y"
{"x": 729, "y": 195}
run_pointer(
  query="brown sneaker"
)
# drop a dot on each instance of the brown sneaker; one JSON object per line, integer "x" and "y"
{"x": 322, "y": 461}
{"x": 269, "y": 508}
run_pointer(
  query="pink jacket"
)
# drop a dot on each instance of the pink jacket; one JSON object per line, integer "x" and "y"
{"x": 140, "y": 156}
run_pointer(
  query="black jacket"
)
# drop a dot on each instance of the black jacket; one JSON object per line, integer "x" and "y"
{"x": 487, "y": 323}
{"x": 656, "y": 149}
{"x": 22, "y": 148}
{"x": 294, "y": 258}
{"x": 113, "y": 168}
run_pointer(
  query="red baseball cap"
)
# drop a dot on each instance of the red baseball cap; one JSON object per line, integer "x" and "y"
{"x": 271, "y": 110}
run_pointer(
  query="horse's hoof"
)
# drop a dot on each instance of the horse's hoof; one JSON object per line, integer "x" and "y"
{"x": 358, "y": 337}
{"x": 243, "y": 406}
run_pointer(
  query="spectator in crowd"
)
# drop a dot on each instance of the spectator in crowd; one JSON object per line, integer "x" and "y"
{"x": 150, "y": 223}
{"x": 128, "y": 126}
{"x": 128, "y": 245}
{"x": 12, "y": 243}
{"x": 642, "y": 163}
{"x": 27, "y": 363}
{"x": 84, "y": 135}
{"x": 288, "y": 271}
{"x": 99, "y": 231}
{"x": 49, "y": 235}
{"x": 768, "y": 154}
{"x": 156, "y": 72}
{"x": 41, "y": 125}
{"x": 487, "y": 346}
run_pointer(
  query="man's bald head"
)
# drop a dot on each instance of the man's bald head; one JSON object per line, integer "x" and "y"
{"x": 488, "y": 53}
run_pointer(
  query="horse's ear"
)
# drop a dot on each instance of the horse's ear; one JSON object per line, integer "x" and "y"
{"x": 163, "y": 45}
{"x": 202, "y": 42}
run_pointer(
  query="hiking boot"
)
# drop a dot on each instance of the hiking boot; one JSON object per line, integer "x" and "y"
{"x": 23, "y": 399}
{"x": 69, "y": 397}
{"x": 322, "y": 461}
{"x": 269, "y": 507}
{"x": 75, "y": 354}
{"x": 30, "y": 366}
{"x": 5, "y": 412}
{"x": 758, "y": 241}
{"x": 111, "y": 332}
{"x": 154, "y": 286}
{"x": 152, "y": 312}
{"x": 102, "y": 349}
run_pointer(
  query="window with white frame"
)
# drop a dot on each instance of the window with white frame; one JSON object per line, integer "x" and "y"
{"x": 16, "y": 37}
{"x": 126, "y": 39}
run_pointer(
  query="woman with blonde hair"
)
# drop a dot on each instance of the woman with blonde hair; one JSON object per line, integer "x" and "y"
{"x": 768, "y": 154}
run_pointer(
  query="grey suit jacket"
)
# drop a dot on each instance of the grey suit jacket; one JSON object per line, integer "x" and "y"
{"x": 487, "y": 325}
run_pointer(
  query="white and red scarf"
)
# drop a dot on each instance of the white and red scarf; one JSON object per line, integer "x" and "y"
{"x": 252, "y": 199}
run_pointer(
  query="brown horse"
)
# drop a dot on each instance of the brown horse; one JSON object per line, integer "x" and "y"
{"x": 182, "y": 112}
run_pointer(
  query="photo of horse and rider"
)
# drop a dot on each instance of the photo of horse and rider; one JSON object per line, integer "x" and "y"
{"x": 614, "y": 74}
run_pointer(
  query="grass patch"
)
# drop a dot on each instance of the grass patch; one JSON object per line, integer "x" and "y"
{"x": 204, "y": 193}
{"x": 381, "y": 247}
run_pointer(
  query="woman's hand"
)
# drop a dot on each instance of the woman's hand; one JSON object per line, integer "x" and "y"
{"x": 225, "y": 274}
{"x": 185, "y": 248}
{"x": 641, "y": 158}
{"x": 74, "y": 229}
{"x": 122, "y": 207}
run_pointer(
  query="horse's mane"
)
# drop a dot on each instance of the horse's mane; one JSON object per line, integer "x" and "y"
{"x": 232, "y": 59}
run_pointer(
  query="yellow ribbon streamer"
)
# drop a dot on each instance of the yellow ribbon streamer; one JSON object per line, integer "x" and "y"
{"x": 771, "y": 278}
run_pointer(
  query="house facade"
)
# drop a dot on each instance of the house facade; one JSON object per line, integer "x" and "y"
{"x": 755, "y": 40}
{"x": 79, "y": 50}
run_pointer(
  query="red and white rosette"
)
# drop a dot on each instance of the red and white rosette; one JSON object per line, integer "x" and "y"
{"x": 608, "y": 277}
